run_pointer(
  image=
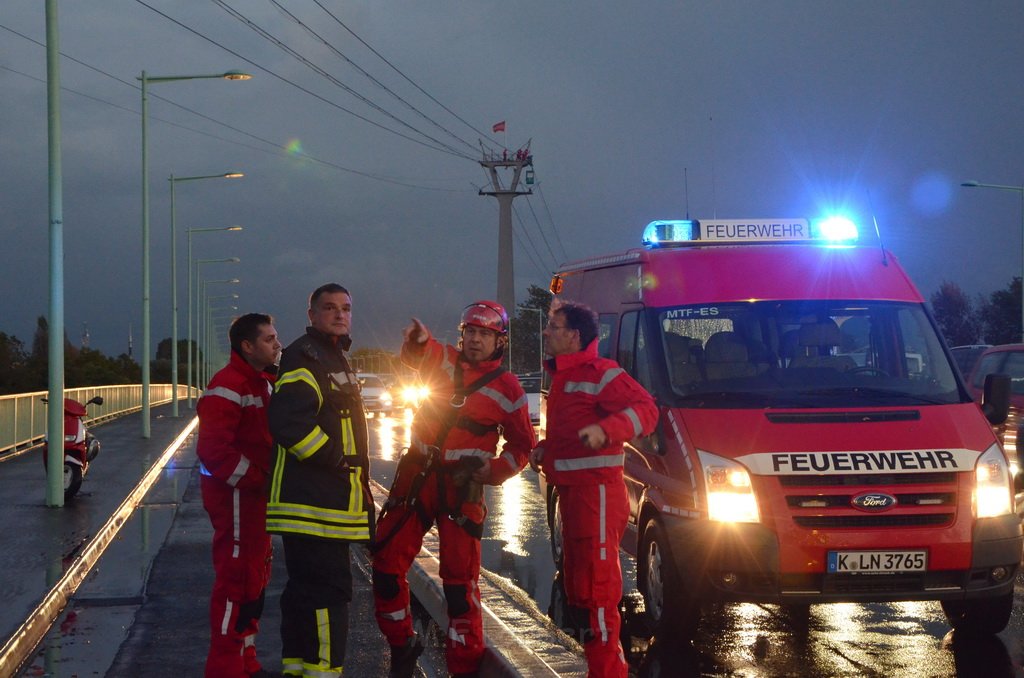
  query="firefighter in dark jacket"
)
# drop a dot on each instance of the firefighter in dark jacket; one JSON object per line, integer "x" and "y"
{"x": 319, "y": 496}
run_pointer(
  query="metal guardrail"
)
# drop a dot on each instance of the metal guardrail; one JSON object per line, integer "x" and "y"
{"x": 23, "y": 416}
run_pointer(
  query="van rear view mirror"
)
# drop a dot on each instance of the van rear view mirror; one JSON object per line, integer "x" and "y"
{"x": 995, "y": 402}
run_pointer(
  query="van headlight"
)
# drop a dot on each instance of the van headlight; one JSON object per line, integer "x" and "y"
{"x": 993, "y": 495}
{"x": 729, "y": 490}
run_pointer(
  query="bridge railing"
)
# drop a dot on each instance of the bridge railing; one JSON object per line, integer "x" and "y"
{"x": 23, "y": 416}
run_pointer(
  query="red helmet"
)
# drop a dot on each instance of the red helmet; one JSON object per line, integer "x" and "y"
{"x": 487, "y": 314}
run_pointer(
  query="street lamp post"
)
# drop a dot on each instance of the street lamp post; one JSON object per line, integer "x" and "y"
{"x": 199, "y": 263}
{"x": 174, "y": 283}
{"x": 540, "y": 332}
{"x": 1020, "y": 190}
{"x": 202, "y": 340}
{"x": 205, "y": 301}
{"x": 145, "y": 80}
{"x": 190, "y": 278}
{"x": 217, "y": 315}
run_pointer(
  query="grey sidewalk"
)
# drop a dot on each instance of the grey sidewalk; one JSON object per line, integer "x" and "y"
{"x": 171, "y": 630}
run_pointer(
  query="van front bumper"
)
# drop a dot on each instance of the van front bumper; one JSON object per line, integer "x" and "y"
{"x": 740, "y": 563}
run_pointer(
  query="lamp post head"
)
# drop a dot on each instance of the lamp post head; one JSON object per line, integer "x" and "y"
{"x": 970, "y": 184}
{"x": 237, "y": 75}
{"x": 233, "y": 175}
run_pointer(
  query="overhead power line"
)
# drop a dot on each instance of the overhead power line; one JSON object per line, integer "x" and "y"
{"x": 369, "y": 76}
{"x": 280, "y": 44}
{"x": 554, "y": 228}
{"x": 285, "y": 80}
{"x": 273, "y": 148}
{"x": 483, "y": 135}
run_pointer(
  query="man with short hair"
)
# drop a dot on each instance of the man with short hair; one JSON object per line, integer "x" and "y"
{"x": 319, "y": 496}
{"x": 473, "y": 403}
{"x": 234, "y": 453}
{"x": 593, "y": 408}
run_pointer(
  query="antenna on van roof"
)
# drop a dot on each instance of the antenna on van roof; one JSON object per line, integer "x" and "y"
{"x": 686, "y": 190}
{"x": 878, "y": 232}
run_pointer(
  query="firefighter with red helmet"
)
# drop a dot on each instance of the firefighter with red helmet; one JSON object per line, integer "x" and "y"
{"x": 474, "y": 401}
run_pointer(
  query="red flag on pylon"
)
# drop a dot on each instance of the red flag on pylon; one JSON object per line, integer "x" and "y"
{"x": 498, "y": 127}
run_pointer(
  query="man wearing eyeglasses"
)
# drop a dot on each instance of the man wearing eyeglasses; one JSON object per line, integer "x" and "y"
{"x": 593, "y": 408}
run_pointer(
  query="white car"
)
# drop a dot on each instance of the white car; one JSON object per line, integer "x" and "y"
{"x": 376, "y": 397}
{"x": 531, "y": 384}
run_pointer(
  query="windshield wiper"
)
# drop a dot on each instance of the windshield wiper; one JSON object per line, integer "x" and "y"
{"x": 881, "y": 393}
{"x": 746, "y": 398}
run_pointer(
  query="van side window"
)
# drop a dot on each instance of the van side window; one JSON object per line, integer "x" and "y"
{"x": 627, "y": 340}
{"x": 643, "y": 359}
{"x": 605, "y": 328}
{"x": 634, "y": 352}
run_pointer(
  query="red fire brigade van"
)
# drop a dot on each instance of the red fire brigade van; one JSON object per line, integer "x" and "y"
{"x": 815, "y": 442}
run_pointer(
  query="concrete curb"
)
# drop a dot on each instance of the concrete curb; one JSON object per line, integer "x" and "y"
{"x": 506, "y": 655}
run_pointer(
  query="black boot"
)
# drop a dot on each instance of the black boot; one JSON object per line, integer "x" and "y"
{"x": 403, "y": 657}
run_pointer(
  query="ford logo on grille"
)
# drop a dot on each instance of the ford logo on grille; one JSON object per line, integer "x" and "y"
{"x": 873, "y": 501}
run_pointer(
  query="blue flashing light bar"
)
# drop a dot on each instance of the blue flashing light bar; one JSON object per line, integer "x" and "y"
{"x": 669, "y": 232}
{"x": 835, "y": 230}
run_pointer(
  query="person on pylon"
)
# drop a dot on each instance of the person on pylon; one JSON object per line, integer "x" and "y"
{"x": 474, "y": 402}
{"x": 234, "y": 453}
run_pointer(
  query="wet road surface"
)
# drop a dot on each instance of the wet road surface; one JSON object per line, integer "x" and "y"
{"x": 881, "y": 639}
{"x": 892, "y": 639}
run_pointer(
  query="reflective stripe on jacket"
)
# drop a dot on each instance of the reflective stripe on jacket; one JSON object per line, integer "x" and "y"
{"x": 321, "y": 456}
{"x": 585, "y": 390}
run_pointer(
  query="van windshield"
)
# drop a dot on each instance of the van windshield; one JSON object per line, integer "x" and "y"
{"x": 805, "y": 354}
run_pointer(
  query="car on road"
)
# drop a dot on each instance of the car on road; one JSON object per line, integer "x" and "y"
{"x": 1006, "y": 359}
{"x": 411, "y": 392}
{"x": 376, "y": 396}
{"x": 966, "y": 356}
{"x": 531, "y": 384}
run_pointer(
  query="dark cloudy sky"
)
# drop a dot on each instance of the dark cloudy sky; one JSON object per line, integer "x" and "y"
{"x": 764, "y": 109}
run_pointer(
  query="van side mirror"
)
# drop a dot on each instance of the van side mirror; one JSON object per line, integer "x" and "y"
{"x": 995, "y": 402}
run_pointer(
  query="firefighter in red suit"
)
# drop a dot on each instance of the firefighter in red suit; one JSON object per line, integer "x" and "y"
{"x": 455, "y": 435}
{"x": 234, "y": 451}
{"x": 593, "y": 408}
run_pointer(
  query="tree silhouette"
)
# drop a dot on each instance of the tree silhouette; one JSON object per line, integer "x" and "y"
{"x": 958, "y": 320}
{"x": 525, "y": 352}
{"x": 1001, "y": 314}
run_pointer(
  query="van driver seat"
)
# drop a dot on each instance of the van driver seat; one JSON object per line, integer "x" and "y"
{"x": 816, "y": 342}
{"x": 727, "y": 357}
{"x": 683, "y": 360}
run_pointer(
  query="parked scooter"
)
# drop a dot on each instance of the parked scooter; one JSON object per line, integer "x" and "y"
{"x": 80, "y": 446}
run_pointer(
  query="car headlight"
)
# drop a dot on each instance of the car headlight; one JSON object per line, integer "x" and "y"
{"x": 385, "y": 398}
{"x": 729, "y": 490}
{"x": 993, "y": 495}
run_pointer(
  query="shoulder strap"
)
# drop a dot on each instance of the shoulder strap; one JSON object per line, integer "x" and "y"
{"x": 458, "y": 399}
